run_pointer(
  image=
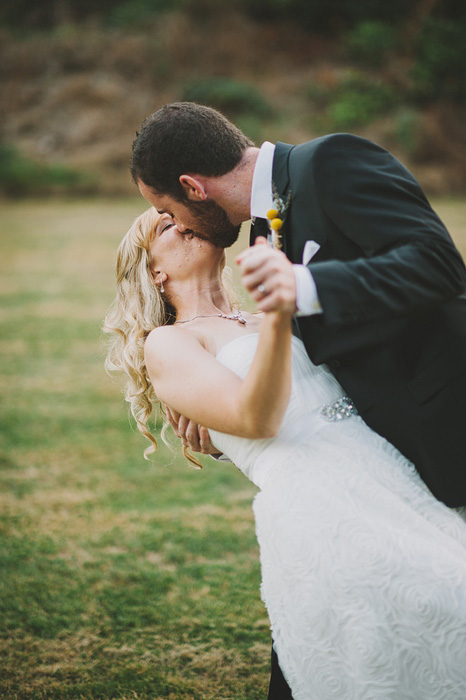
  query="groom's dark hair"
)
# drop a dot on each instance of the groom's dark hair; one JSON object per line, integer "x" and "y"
{"x": 185, "y": 137}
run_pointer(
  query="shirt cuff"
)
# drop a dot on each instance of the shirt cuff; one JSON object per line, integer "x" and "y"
{"x": 307, "y": 301}
{"x": 220, "y": 457}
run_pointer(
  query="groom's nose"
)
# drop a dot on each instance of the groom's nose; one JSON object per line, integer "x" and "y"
{"x": 182, "y": 228}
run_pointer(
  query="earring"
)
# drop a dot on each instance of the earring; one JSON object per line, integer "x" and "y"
{"x": 162, "y": 288}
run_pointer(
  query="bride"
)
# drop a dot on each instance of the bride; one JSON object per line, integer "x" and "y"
{"x": 363, "y": 570}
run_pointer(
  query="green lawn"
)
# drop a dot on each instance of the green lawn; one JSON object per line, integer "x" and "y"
{"x": 119, "y": 578}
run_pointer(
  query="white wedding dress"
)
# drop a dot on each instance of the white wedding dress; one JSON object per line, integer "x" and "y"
{"x": 363, "y": 570}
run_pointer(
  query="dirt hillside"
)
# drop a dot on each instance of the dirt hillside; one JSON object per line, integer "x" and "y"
{"x": 77, "y": 95}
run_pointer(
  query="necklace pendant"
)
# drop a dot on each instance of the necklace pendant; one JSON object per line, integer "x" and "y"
{"x": 233, "y": 317}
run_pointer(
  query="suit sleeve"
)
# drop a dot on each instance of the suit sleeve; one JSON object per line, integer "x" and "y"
{"x": 408, "y": 261}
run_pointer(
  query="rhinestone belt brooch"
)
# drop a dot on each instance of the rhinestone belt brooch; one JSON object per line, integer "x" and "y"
{"x": 338, "y": 410}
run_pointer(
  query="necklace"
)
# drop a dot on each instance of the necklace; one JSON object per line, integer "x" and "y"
{"x": 238, "y": 316}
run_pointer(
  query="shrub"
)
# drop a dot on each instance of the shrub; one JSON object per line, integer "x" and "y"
{"x": 21, "y": 176}
{"x": 358, "y": 101}
{"x": 232, "y": 97}
{"x": 439, "y": 70}
{"x": 136, "y": 12}
{"x": 371, "y": 43}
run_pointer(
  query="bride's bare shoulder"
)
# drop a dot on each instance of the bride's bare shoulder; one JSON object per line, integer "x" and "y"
{"x": 164, "y": 341}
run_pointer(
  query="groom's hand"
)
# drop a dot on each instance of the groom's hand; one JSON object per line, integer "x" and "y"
{"x": 192, "y": 435}
{"x": 269, "y": 277}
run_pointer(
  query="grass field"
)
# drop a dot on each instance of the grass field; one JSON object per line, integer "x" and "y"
{"x": 118, "y": 578}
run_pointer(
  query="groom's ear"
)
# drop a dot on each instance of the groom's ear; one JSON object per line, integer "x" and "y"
{"x": 193, "y": 187}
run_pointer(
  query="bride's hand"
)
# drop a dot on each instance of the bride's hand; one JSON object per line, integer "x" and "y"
{"x": 192, "y": 435}
{"x": 269, "y": 277}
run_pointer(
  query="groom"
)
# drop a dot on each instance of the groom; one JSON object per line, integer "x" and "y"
{"x": 376, "y": 284}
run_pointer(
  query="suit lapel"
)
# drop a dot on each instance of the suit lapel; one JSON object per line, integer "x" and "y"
{"x": 280, "y": 174}
{"x": 300, "y": 225}
{"x": 281, "y": 180}
{"x": 259, "y": 227}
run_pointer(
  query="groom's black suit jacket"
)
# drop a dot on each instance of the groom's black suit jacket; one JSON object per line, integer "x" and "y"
{"x": 391, "y": 284}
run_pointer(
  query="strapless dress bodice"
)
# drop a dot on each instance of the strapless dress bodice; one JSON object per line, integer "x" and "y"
{"x": 313, "y": 387}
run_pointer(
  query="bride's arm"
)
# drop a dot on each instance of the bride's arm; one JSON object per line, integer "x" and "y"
{"x": 191, "y": 381}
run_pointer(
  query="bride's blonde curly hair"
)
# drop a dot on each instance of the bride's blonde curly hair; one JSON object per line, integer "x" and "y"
{"x": 138, "y": 308}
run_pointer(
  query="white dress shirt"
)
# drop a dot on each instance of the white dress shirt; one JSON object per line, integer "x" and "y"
{"x": 307, "y": 300}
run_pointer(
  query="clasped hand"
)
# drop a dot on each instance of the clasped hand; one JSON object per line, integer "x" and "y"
{"x": 269, "y": 277}
{"x": 192, "y": 435}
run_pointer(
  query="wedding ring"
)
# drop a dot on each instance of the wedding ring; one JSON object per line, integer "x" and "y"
{"x": 261, "y": 289}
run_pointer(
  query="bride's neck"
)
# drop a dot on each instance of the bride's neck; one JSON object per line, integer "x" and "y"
{"x": 196, "y": 298}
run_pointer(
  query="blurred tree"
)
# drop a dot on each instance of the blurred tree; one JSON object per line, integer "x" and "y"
{"x": 131, "y": 12}
{"x": 313, "y": 15}
{"x": 417, "y": 19}
{"x": 30, "y": 14}
{"x": 440, "y": 59}
{"x": 320, "y": 17}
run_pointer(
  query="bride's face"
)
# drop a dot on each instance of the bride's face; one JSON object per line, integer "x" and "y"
{"x": 178, "y": 253}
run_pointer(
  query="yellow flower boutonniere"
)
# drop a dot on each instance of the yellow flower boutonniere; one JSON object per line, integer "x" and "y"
{"x": 275, "y": 217}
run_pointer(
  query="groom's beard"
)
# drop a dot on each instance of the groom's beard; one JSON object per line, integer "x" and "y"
{"x": 212, "y": 224}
